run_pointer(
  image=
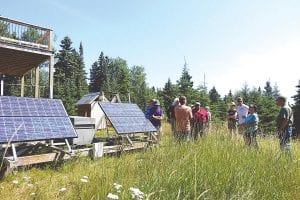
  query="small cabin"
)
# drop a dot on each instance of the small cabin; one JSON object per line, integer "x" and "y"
{"x": 88, "y": 106}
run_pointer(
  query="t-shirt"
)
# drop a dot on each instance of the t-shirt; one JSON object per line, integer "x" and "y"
{"x": 285, "y": 113}
{"x": 156, "y": 111}
{"x": 242, "y": 110}
{"x": 200, "y": 115}
{"x": 232, "y": 112}
{"x": 183, "y": 114}
{"x": 251, "y": 118}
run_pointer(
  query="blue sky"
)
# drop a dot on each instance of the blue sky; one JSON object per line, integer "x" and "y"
{"x": 233, "y": 42}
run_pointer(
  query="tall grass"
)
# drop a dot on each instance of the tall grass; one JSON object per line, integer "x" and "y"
{"x": 214, "y": 167}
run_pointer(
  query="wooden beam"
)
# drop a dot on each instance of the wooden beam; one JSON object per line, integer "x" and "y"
{"x": 37, "y": 82}
{"x": 51, "y": 76}
{"x": 22, "y": 86}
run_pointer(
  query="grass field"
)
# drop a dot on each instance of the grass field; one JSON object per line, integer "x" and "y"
{"x": 214, "y": 167}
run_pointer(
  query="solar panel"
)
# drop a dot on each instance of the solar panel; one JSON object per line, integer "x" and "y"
{"x": 30, "y": 119}
{"x": 127, "y": 118}
{"x": 88, "y": 98}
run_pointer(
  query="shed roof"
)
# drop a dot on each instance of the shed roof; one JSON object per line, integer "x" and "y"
{"x": 90, "y": 98}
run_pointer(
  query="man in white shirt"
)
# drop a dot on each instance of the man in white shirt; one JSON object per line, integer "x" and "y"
{"x": 242, "y": 112}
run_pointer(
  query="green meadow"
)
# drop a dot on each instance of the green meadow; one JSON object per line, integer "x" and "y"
{"x": 214, "y": 167}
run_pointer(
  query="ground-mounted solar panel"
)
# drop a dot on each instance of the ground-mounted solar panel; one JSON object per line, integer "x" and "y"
{"x": 32, "y": 119}
{"x": 127, "y": 118}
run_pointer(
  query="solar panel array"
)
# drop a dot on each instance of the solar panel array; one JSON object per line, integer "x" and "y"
{"x": 30, "y": 119}
{"x": 127, "y": 118}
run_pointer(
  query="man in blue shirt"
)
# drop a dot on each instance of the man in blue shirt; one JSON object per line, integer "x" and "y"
{"x": 156, "y": 117}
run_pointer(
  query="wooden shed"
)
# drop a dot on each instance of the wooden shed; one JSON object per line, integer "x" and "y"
{"x": 88, "y": 106}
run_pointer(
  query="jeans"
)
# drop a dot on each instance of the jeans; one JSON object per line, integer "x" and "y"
{"x": 285, "y": 139}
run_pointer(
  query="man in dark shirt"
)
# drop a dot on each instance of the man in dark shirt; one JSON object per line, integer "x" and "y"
{"x": 156, "y": 117}
{"x": 284, "y": 124}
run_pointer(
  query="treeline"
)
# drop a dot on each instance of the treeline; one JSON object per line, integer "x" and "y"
{"x": 113, "y": 76}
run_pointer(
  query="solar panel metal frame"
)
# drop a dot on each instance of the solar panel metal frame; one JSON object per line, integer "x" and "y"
{"x": 127, "y": 118}
{"x": 24, "y": 119}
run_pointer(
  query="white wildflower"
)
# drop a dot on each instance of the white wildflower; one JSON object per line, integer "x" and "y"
{"x": 26, "y": 178}
{"x": 112, "y": 196}
{"x": 118, "y": 187}
{"x": 83, "y": 180}
{"x": 63, "y": 189}
{"x": 30, "y": 185}
{"x": 85, "y": 177}
{"x": 136, "y": 193}
{"x": 32, "y": 194}
{"x": 15, "y": 182}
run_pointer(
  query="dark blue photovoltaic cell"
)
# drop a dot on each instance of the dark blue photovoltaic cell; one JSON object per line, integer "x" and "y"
{"x": 127, "y": 118}
{"x": 88, "y": 98}
{"x": 30, "y": 119}
{"x": 122, "y": 109}
{"x": 24, "y": 106}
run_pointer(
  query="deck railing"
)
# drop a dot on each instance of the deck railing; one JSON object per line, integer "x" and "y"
{"x": 19, "y": 33}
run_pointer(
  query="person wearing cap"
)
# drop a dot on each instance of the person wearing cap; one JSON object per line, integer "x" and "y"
{"x": 284, "y": 123}
{"x": 251, "y": 127}
{"x": 183, "y": 115}
{"x": 156, "y": 117}
{"x": 171, "y": 112}
{"x": 199, "y": 121}
{"x": 231, "y": 118}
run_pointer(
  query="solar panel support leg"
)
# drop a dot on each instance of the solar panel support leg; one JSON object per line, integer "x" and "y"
{"x": 13, "y": 148}
{"x": 129, "y": 140}
{"x": 68, "y": 145}
{"x": 154, "y": 137}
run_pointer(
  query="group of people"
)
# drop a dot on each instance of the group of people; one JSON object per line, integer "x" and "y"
{"x": 191, "y": 122}
{"x": 244, "y": 119}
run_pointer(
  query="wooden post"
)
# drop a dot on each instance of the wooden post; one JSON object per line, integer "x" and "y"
{"x": 37, "y": 82}
{"x": 2, "y": 84}
{"x": 22, "y": 85}
{"x": 51, "y": 67}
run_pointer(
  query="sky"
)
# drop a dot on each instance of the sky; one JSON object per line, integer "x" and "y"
{"x": 232, "y": 42}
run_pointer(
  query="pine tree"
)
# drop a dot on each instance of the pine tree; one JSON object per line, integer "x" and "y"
{"x": 268, "y": 90}
{"x": 66, "y": 74}
{"x": 185, "y": 85}
{"x": 80, "y": 79}
{"x": 169, "y": 93}
{"x": 94, "y": 85}
{"x": 296, "y": 110}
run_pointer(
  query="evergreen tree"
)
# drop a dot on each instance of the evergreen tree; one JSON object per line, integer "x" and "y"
{"x": 94, "y": 85}
{"x": 120, "y": 78}
{"x": 139, "y": 86}
{"x": 80, "y": 77}
{"x": 268, "y": 91}
{"x": 185, "y": 85}
{"x": 66, "y": 75}
{"x": 169, "y": 93}
{"x": 296, "y": 110}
